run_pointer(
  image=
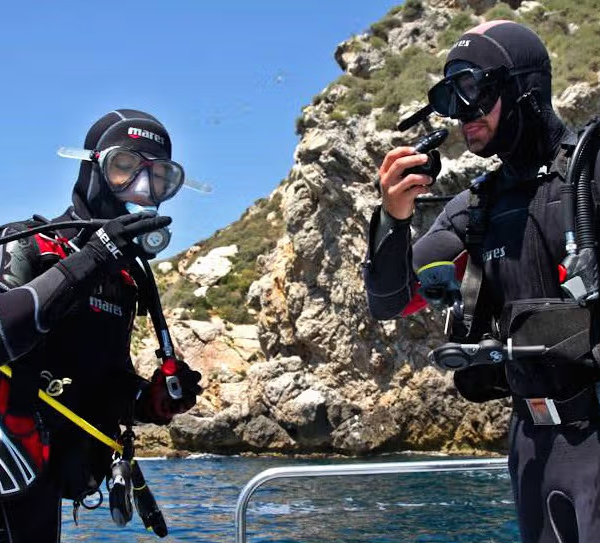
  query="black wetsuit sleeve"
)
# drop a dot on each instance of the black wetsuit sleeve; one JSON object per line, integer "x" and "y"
{"x": 33, "y": 298}
{"x": 445, "y": 239}
{"x": 388, "y": 270}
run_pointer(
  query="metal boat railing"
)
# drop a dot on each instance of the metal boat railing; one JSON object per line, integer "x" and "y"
{"x": 352, "y": 469}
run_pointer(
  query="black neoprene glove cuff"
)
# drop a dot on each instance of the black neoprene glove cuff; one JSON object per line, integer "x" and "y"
{"x": 81, "y": 266}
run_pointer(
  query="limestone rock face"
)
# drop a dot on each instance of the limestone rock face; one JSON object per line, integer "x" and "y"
{"x": 154, "y": 440}
{"x": 356, "y": 59}
{"x": 316, "y": 373}
{"x": 207, "y": 270}
{"x": 579, "y": 103}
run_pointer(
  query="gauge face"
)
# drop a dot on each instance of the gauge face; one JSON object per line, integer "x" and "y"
{"x": 154, "y": 239}
{"x": 154, "y": 242}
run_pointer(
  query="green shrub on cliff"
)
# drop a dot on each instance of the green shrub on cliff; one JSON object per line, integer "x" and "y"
{"x": 255, "y": 233}
{"x": 501, "y": 11}
{"x": 460, "y": 22}
{"x": 571, "y": 31}
{"x": 405, "y": 77}
{"x": 382, "y": 28}
{"x": 402, "y": 78}
{"x": 412, "y": 10}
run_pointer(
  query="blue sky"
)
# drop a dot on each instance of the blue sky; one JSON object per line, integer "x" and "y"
{"x": 228, "y": 78}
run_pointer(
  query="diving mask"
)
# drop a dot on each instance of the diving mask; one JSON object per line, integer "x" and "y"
{"x": 121, "y": 167}
{"x": 467, "y": 89}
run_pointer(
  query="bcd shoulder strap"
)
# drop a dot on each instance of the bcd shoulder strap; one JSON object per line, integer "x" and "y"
{"x": 480, "y": 193}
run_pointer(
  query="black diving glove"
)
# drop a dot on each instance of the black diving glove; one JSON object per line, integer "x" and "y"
{"x": 156, "y": 405}
{"x": 113, "y": 246}
{"x": 114, "y": 242}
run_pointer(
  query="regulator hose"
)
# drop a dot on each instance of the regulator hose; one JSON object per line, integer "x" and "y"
{"x": 579, "y": 175}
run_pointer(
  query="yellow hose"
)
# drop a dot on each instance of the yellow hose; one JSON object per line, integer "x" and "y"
{"x": 73, "y": 417}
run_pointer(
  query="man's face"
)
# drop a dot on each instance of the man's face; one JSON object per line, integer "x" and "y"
{"x": 481, "y": 131}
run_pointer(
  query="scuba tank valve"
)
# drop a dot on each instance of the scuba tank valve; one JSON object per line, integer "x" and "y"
{"x": 578, "y": 272}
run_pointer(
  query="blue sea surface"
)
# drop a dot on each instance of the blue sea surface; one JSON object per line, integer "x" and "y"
{"x": 198, "y": 498}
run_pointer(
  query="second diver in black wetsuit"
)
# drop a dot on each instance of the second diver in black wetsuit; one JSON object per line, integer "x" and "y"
{"x": 498, "y": 84}
{"x": 66, "y": 318}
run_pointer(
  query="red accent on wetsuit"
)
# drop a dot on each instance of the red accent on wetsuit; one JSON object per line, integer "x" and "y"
{"x": 127, "y": 278}
{"x": 48, "y": 246}
{"x": 23, "y": 430}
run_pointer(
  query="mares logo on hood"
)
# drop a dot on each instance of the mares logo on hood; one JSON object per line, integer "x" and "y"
{"x": 136, "y": 133}
{"x": 462, "y": 43}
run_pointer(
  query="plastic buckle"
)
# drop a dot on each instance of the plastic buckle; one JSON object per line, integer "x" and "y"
{"x": 543, "y": 411}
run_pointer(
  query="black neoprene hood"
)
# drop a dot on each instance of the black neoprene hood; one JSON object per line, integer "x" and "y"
{"x": 501, "y": 43}
{"x": 518, "y": 48}
{"x": 128, "y": 128}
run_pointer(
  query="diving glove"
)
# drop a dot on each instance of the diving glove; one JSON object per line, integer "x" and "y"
{"x": 155, "y": 403}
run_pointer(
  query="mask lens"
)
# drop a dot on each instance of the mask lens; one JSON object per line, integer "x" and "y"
{"x": 459, "y": 90}
{"x": 468, "y": 87}
{"x": 119, "y": 167}
{"x": 440, "y": 96}
{"x": 488, "y": 98}
{"x": 167, "y": 179}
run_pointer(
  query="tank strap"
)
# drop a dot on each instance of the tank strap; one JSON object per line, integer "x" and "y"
{"x": 480, "y": 193}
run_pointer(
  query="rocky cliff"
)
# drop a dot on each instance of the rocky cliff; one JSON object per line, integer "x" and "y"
{"x": 308, "y": 370}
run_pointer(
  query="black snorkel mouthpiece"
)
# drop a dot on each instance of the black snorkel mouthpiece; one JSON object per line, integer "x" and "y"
{"x": 427, "y": 145}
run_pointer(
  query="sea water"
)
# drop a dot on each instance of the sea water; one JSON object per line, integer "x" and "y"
{"x": 198, "y": 498}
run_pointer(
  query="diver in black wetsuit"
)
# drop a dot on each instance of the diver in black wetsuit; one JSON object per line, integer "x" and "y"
{"x": 67, "y": 304}
{"x": 498, "y": 84}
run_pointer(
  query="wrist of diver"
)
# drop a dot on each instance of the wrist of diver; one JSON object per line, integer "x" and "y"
{"x": 387, "y": 219}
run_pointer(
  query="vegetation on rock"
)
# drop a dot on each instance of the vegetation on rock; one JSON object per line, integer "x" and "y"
{"x": 255, "y": 233}
{"x": 571, "y": 32}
